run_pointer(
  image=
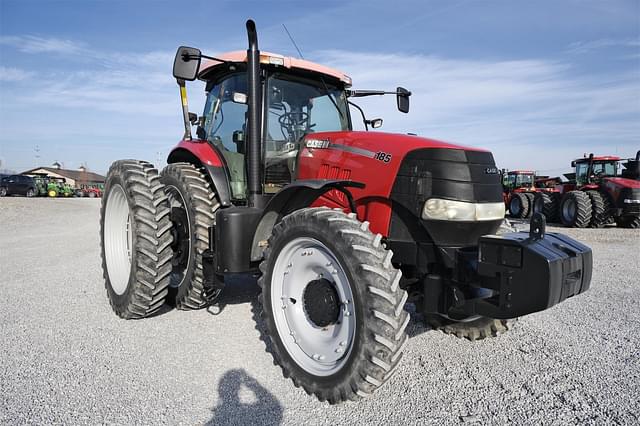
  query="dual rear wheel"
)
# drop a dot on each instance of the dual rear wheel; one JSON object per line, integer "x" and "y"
{"x": 154, "y": 229}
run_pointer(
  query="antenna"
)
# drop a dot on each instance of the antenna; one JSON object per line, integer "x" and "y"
{"x": 293, "y": 41}
{"x": 324, "y": 85}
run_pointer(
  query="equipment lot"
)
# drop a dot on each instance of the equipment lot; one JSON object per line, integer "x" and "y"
{"x": 66, "y": 358}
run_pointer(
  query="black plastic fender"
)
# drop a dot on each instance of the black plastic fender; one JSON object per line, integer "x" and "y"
{"x": 217, "y": 175}
{"x": 295, "y": 196}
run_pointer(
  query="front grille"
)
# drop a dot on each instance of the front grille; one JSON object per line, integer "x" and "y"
{"x": 453, "y": 174}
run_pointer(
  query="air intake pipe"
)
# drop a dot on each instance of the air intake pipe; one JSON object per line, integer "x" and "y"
{"x": 254, "y": 125}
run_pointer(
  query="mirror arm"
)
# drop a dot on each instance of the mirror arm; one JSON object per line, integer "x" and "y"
{"x": 185, "y": 109}
{"x": 364, "y": 119}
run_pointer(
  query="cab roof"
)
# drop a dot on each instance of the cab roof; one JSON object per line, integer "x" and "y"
{"x": 600, "y": 158}
{"x": 520, "y": 172}
{"x": 276, "y": 60}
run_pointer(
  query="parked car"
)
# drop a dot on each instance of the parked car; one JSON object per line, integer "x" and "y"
{"x": 18, "y": 185}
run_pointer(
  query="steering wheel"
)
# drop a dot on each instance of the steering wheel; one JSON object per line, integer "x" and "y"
{"x": 289, "y": 119}
{"x": 293, "y": 122}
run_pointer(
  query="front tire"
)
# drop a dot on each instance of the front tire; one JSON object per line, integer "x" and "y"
{"x": 193, "y": 205}
{"x": 332, "y": 304}
{"x": 519, "y": 205}
{"x": 477, "y": 329}
{"x": 575, "y": 209}
{"x": 136, "y": 239}
{"x": 631, "y": 222}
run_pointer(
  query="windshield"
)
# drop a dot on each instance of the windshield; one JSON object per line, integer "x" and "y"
{"x": 297, "y": 107}
{"x": 600, "y": 168}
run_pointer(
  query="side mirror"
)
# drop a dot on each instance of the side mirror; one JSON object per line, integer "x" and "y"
{"x": 375, "y": 123}
{"x": 573, "y": 164}
{"x": 240, "y": 98}
{"x": 193, "y": 118}
{"x": 187, "y": 63}
{"x": 238, "y": 136}
{"x": 402, "y": 96}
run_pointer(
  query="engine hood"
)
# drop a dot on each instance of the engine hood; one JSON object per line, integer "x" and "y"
{"x": 396, "y": 144}
{"x": 622, "y": 182}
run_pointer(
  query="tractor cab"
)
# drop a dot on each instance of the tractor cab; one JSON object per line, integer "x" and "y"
{"x": 294, "y": 98}
{"x": 515, "y": 179}
{"x": 300, "y": 98}
{"x": 590, "y": 169}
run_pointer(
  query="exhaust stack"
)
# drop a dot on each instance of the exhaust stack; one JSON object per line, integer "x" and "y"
{"x": 254, "y": 126}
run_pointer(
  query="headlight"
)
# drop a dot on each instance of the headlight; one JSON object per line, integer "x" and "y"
{"x": 438, "y": 209}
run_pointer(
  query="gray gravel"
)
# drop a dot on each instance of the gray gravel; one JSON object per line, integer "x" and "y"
{"x": 66, "y": 358}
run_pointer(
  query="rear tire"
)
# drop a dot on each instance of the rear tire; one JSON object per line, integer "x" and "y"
{"x": 369, "y": 329}
{"x": 136, "y": 239}
{"x": 31, "y": 193}
{"x": 191, "y": 194}
{"x": 519, "y": 205}
{"x": 547, "y": 204}
{"x": 52, "y": 193}
{"x": 3, "y": 192}
{"x": 575, "y": 209}
{"x": 599, "y": 209}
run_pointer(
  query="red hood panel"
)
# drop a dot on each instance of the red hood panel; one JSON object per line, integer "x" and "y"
{"x": 624, "y": 182}
{"x": 373, "y": 158}
{"x": 393, "y": 143}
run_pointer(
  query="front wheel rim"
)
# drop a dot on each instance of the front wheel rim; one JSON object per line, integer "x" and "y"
{"x": 118, "y": 239}
{"x": 319, "y": 350}
{"x": 569, "y": 210}
{"x": 515, "y": 206}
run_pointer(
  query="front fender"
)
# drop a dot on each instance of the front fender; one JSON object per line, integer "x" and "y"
{"x": 295, "y": 196}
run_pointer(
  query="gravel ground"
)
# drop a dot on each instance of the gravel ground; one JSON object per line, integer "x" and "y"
{"x": 66, "y": 358}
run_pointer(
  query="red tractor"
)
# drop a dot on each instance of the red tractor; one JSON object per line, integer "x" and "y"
{"x": 598, "y": 193}
{"x": 520, "y": 188}
{"x": 342, "y": 227}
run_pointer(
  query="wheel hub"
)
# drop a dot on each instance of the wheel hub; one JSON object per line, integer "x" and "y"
{"x": 180, "y": 233}
{"x": 321, "y": 302}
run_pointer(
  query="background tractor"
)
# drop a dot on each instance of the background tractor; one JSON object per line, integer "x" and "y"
{"x": 597, "y": 193}
{"x": 42, "y": 183}
{"x": 58, "y": 187}
{"x": 520, "y": 188}
{"x": 342, "y": 227}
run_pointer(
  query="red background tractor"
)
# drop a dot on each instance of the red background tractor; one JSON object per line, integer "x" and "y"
{"x": 520, "y": 188}
{"x": 599, "y": 192}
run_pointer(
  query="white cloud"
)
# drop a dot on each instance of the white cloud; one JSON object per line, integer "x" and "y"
{"x": 35, "y": 44}
{"x": 530, "y": 113}
{"x": 10, "y": 74}
{"x": 580, "y": 47}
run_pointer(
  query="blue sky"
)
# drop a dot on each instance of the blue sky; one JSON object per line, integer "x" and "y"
{"x": 538, "y": 83}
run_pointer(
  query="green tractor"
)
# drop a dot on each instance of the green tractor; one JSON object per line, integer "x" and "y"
{"x": 42, "y": 184}
{"x": 58, "y": 187}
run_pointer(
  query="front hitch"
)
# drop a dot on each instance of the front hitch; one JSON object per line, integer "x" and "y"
{"x": 516, "y": 274}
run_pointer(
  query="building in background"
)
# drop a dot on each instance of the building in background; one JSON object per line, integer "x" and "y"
{"x": 80, "y": 178}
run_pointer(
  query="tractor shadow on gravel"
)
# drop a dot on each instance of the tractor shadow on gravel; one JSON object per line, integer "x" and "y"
{"x": 242, "y": 400}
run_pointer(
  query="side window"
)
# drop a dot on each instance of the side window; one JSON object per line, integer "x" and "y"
{"x": 581, "y": 173}
{"x": 225, "y": 127}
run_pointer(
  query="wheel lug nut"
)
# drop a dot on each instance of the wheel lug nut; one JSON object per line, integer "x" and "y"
{"x": 339, "y": 350}
{"x": 343, "y": 343}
